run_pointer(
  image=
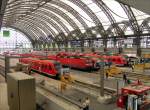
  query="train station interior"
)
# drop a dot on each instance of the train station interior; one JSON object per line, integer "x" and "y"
{"x": 74, "y": 54}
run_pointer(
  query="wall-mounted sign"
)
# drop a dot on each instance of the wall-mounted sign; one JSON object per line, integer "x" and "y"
{"x": 6, "y": 33}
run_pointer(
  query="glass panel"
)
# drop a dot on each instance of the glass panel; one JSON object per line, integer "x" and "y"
{"x": 98, "y": 12}
{"x": 62, "y": 19}
{"x": 116, "y": 10}
{"x": 140, "y": 16}
{"x": 129, "y": 31}
{"x": 70, "y": 15}
{"x": 86, "y": 18}
{"x": 46, "y": 16}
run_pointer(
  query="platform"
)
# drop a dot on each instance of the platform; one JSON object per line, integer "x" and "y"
{"x": 74, "y": 94}
{"x": 3, "y": 95}
{"x": 93, "y": 78}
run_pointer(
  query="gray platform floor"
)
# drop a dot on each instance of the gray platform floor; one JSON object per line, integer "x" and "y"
{"x": 94, "y": 105}
{"x": 72, "y": 94}
{"x": 93, "y": 78}
{"x": 3, "y": 95}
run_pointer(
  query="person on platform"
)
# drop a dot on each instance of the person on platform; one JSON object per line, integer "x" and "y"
{"x": 87, "y": 103}
{"x": 125, "y": 78}
{"x": 107, "y": 75}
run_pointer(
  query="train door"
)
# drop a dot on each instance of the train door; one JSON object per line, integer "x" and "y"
{"x": 114, "y": 60}
{"x": 77, "y": 62}
{"x": 49, "y": 69}
{"x": 42, "y": 68}
{"x": 72, "y": 61}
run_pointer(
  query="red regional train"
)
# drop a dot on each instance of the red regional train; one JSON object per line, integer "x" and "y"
{"x": 46, "y": 67}
{"x": 119, "y": 60}
{"x": 76, "y": 60}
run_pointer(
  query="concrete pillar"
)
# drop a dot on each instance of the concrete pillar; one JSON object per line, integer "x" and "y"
{"x": 138, "y": 46}
{"x": 120, "y": 50}
{"x": 82, "y": 46}
{"x": 66, "y": 46}
{"x": 105, "y": 44}
{"x": 53, "y": 45}
{"x": 7, "y": 66}
{"x": 91, "y": 44}
{"x": 102, "y": 80}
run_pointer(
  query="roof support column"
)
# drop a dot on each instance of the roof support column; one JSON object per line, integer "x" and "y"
{"x": 82, "y": 45}
{"x": 105, "y": 44}
{"x": 66, "y": 46}
{"x": 138, "y": 45}
{"x": 54, "y": 46}
{"x": 91, "y": 45}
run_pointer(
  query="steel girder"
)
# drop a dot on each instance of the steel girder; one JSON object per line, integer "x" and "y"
{"x": 26, "y": 26}
{"x": 53, "y": 17}
{"x": 91, "y": 14}
{"x": 62, "y": 14}
{"x": 48, "y": 26}
{"x": 126, "y": 25}
{"x": 36, "y": 29}
{"x": 40, "y": 26}
{"x": 31, "y": 21}
{"x": 70, "y": 10}
{"x": 3, "y": 4}
{"x": 135, "y": 26}
{"x": 95, "y": 19}
{"x": 112, "y": 20}
{"x": 132, "y": 19}
{"x": 28, "y": 35}
{"x": 42, "y": 21}
{"x": 31, "y": 9}
{"x": 34, "y": 36}
{"x": 145, "y": 24}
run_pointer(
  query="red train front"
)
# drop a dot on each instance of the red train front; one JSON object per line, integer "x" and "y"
{"x": 46, "y": 67}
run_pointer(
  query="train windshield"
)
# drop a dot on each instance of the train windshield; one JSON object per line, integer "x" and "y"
{"x": 58, "y": 66}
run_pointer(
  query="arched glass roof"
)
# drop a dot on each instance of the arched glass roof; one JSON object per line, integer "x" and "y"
{"x": 61, "y": 20}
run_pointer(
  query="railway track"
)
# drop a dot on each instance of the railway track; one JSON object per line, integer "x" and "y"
{"x": 93, "y": 87}
{"x": 134, "y": 76}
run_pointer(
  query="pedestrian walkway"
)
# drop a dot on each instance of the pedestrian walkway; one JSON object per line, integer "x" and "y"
{"x": 3, "y": 97}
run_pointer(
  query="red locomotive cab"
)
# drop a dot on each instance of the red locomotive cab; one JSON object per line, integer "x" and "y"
{"x": 50, "y": 68}
{"x": 121, "y": 102}
{"x": 118, "y": 60}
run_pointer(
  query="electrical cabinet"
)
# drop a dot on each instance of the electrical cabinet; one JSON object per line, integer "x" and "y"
{"x": 21, "y": 91}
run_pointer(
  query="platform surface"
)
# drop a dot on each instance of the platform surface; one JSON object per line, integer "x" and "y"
{"x": 75, "y": 94}
{"x": 3, "y": 95}
{"x": 93, "y": 78}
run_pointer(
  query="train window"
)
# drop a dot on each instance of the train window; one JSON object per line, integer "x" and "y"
{"x": 65, "y": 57}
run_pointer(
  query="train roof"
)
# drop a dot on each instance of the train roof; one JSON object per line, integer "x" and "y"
{"x": 40, "y": 61}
